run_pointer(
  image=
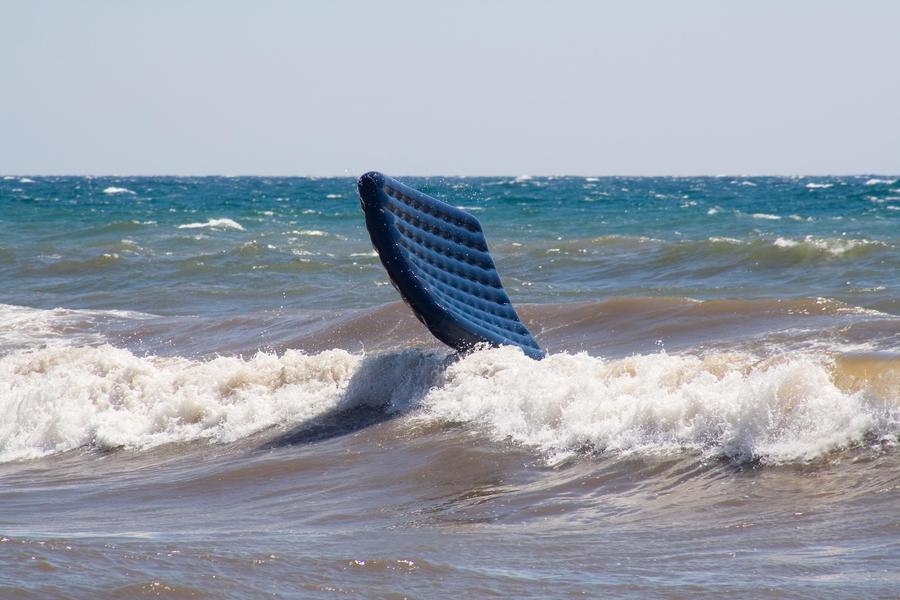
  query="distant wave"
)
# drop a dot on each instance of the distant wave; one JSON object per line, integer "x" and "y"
{"x": 119, "y": 226}
{"x": 214, "y": 224}
{"x": 25, "y": 327}
{"x": 876, "y": 181}
{"x": 731, "y": 405}
{"x": 832, "y": 246}
{"x": 759, "y": 249}
{"x": 818, "y": 186}
{"x": 83, "y": 265}
{"x": 117, "y": 190}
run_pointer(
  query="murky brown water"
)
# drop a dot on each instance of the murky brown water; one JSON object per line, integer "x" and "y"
{"x": 719, "y": 449}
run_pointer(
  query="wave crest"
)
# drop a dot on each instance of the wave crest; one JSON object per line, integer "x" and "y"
{"x": 59, "y": 399}
{"x": 116, "y": 190}
{"x": 726, "y": 405}
{"x": 223, "y": 223}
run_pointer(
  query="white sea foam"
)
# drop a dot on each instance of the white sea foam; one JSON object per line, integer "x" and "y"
{"x": 8, "y": 178}
{"x": 731, "y": 405}
{"x": 722, "y": 405}
{"x": 785, "y": 243}
{"x": 766, "y": 216}
{"x": 117, "y": 190}
{"x": 713, "y": 211}
{"x": 833, "y": 246}
{"x": 818, "y": 186}
{"x": 23, "y": 327}
{"x": 523, "y": 178}
{"x": 333, "y": 196}
{"x": 876, "y": 181}
{"x": 26, "y": 180}
{"x": 64, "y": 398}
{"x": 214, "y": 224}
{"x": 312, "y": 232}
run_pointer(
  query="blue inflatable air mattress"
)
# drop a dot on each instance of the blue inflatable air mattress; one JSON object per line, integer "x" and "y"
{"x": 437, "y": 257}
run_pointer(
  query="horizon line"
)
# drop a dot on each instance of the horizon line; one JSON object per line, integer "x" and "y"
{"x": 8, "y": 176}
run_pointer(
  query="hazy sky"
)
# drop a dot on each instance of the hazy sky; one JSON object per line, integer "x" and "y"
{"x": 455, "y": 87}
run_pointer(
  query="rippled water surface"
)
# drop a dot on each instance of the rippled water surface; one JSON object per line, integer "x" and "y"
{"x": 210, "y": 389}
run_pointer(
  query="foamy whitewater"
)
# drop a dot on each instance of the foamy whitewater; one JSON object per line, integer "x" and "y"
{"x": 210, "y": 389}
{"x": 735, "y": 406}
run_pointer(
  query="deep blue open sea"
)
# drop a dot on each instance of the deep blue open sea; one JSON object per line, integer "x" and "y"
{"x": 209, "y": 388}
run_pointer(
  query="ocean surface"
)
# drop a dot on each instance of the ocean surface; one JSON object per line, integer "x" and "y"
{"x": 209, "y": 389}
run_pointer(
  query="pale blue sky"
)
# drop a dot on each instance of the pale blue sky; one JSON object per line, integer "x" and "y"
{"x": 647, "y": 87}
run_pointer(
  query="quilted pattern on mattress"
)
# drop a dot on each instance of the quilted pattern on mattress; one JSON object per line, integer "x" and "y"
{"x": 437, "y": 257}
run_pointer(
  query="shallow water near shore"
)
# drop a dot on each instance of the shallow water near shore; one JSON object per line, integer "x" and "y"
{"x": 210, "y": 389}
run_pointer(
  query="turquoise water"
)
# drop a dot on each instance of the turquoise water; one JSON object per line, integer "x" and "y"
{"x": 229, "y": 245}
{"x": 209, "y": 388}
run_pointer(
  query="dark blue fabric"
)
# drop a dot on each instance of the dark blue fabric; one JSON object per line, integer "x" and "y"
{"x": 437, "y": 257}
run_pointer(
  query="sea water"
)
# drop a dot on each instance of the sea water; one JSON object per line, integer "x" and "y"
{"x": 209, "y": 388}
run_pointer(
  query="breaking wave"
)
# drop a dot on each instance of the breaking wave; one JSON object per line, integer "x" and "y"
{"x": 777, "y": 250}
{"x": 727, "y": 405}
{"x": 224, "y": 223}
{"x": 738, "y": 406}
{"x": 116, "y": 190}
